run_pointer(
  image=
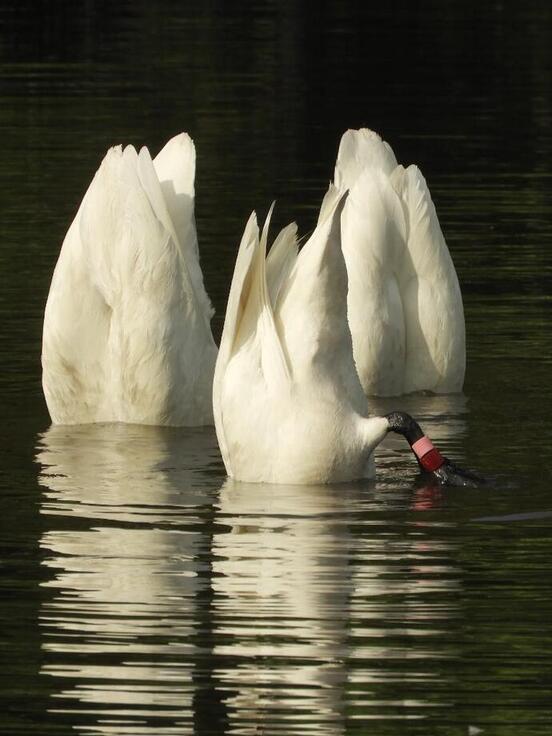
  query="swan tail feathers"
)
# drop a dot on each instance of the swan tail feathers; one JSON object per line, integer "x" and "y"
{"x": 276, "y": 369}
{"x": 127, "y": 235}
{"x": 175, "y": 167}
{"x": 313, "y": 303}
{"x": 150, "y": 183}
{"x": 240, "y": 289}
{"x": 426, "y": 242}
{"x": 359, "y": 150}
{"x": 175, "y": 164}
{"x": 329, "y": 203}
{"x": 184, "y": 246}
{"x": 280, "y": 261}
{"x": 435, "y": 313}
{"x": 237, "y": 301}
{"x": 249, "y": 321}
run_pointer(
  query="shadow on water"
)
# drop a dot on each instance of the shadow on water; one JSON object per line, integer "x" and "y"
{"x": 177, "y": 605}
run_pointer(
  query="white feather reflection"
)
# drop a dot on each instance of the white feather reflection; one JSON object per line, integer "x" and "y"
{"x": 127, "y": 569}
{"x": 318, "y": 608}
{"x": 174, "y": 607}
{"x": 281, "y": 603}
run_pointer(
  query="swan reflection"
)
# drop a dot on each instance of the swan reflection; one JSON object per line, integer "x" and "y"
{"x": 176, "y": 606}
{"x": 282, "y": 588}
{"x": 312, "y": 597}
{"x": 128, "y": 565}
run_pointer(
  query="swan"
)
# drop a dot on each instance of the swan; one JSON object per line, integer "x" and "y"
{"x": 127, "y": 334}
{"x": 404, "y": 302}
{"x": 288, "y": 403}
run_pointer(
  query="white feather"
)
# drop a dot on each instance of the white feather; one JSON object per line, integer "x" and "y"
{"x": 359, "y": 150}
{"x": 126, "y": 328}
{"x": 404, "y": 304}
{"x": 309, "y": 424}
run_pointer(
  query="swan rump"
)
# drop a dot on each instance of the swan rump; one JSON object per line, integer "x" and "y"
{"x": 127, "y": 332}
{"x": 404, "y": 302}
{"x": 288, "y": 403}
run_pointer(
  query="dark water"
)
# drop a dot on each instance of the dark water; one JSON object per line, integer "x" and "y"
{"x": 141, "y": 592}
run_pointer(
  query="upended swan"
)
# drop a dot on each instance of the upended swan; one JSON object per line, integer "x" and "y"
{"x": 127, "y": 333}
{"x": 288, "y": 404}
{"x": 404, "y": 302}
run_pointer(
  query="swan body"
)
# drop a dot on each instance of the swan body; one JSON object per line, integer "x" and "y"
{"x": 404, "y": 301}
{"x": 288, "y": 404}
{"x": 127, "y": 334}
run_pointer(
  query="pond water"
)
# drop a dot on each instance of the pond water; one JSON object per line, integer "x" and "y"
{"x": 144, "y": 593}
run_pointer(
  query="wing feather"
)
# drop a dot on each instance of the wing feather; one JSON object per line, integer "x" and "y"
{"x": 431, "y": 295}
{"x": 237, "y": 300}
{"x": 280, "y": 261}
{"x": 359, "y": 150}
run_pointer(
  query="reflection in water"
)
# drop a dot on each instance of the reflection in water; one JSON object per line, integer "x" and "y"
{"x": 121, "y": 626}
{"x": 281, "y": 605}
{"x": 177, "y": 607}
{"x": 318, "y": 608}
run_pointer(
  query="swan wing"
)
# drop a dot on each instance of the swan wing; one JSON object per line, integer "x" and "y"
{"x": 122, "y": 338}
{"x": 312, "y": 312}
{"x": 373, "y": 232}
{"x": 435, "y": 329}
{"x": 75, "y": 335}
{"x": 312, "y": 309}
{"x": 288, "y": 402}
{"x": 79, "y": 311}
{"x": 175, "y": 169}
{"x": 235, "y": 307}
{"x": 250, "y": 320}
{"x": 280, "y": 261}
{"x": 329, "y": 203}
{"x": 360, "y": 150}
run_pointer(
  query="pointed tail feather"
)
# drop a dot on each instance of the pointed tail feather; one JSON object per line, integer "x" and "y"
{"x": 359, "y": 150}
{"x": 276, "y": 369}
{"x": 166, "y": 209}
{"x": 175, "y": 167}
{"x": 237, "y": 299}
{"x": 249, "y": 313}
{"x": 433, "y": 300}
{"x": 329, "y": 203}
{"x": 280, "y": 261}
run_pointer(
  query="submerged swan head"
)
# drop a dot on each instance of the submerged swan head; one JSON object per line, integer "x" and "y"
{"x": 287, "y": 399}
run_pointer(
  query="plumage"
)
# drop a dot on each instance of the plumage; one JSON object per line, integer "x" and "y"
{"x": 404, "y": 302}
{"x": 127, "y": 332}
{"x": 288, "y": 403}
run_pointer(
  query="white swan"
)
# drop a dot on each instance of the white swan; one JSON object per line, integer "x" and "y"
{"x": 404, "y": 302}
{"x": 127, "y": 332}
{"x": 288, "y": 403}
